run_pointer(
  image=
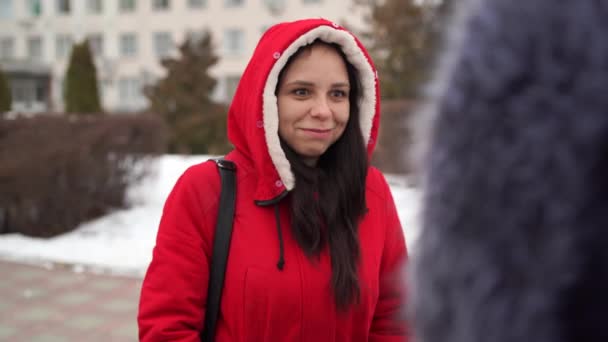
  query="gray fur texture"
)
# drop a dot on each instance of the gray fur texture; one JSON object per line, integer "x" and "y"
{"x": 514, "y": 245}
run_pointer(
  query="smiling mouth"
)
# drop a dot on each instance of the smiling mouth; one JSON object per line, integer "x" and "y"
{"x": 317, "y": 133}
{"x": 317, "y": 130}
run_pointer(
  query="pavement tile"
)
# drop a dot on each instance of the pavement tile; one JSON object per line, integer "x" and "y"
{"x": 61, "y": 280}
{"x": 33, "y": 292}
{"x": 74, "y": 298}
{"x": 44, "y": 337}
{"x": 120, "y": 305}
{"x": 38, "y": 304}
{"x": 26, "y": 274}
{"x": 5, "y": 305}
{"x": 105, "y": 284}
{"x": 85, "y": 322}
{"x": 10, "y": 288}
{"x": 6, "y": 282}
{"x": 7, "y": 331}
{"x": 36, "y": 314}
{"x": 126, "y": 331}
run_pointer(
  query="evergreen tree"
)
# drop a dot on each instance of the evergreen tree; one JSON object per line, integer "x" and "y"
{"x": 183, "y": 98}
{"x": 81, "y": 94}
{"x": 5, "y": 94}
{"x": 404, "y": 37}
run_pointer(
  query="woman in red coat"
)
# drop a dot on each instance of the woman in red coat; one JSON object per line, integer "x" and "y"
{"x": 317, "y": 250}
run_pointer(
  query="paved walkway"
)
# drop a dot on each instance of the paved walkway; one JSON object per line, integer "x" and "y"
{"x": 41, "y": 305}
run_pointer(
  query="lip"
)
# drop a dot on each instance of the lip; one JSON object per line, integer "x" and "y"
{"x": 317, "y": 132}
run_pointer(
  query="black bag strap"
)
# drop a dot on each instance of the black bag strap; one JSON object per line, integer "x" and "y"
{"x": 221, "y": 245}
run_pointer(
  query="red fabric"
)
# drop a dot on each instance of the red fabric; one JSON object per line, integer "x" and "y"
{"x": 261, "y": 303}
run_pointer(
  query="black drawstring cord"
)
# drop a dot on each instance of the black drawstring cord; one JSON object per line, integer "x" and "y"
{"x": 281, "y": 261}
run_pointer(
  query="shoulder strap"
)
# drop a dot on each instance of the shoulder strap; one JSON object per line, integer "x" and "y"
{"x": 221, "y": 245}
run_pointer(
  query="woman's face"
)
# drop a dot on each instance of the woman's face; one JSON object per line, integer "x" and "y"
{"x": 313, "y": 102}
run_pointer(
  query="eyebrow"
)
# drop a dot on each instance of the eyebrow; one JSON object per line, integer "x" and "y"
{"x": 310, "y": 84}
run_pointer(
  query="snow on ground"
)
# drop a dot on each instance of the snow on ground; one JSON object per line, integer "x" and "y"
{"x": 122, "y": 242}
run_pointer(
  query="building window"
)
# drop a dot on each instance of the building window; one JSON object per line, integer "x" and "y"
{"x": 63, "y": 45}
{"x": 29, "y": 94}
{"x": 34, "y": 48}
{"x": 41, "y": 91}
{"x": 196, "y": 3}
{"x": 163, "y": 44}
{"x": 231, "y": 84}
{"x": 129, "y": 92}
{"x": 128, "y": 45}
{"x": 35, "y": 7}
{"x": 194, "y": 36}
{"x": 126, "y": 6}
{"x": 63, "y": 6}
{"x": 234, "y": 3}
{"x": 7, "y": 48}
{"x": 19, "y": 91}
{"x": 161, "y": 5}
{"x": 96, "y": 44}
{"x": 6, "y": 9}
{"x": 234, "y": 42}
{"x": 275, "y": 6}
{"x": 94, "y": 6}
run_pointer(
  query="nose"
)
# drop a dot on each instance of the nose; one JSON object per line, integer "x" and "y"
{"x": 321, "y": 108}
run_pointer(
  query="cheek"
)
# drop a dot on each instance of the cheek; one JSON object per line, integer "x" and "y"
{"x": 291, "y": 112}
{"x": 341, "y": 118}
{"x": 283, "y": 116}
{"x": 285, "y": 128}
{"x": 343, "y": 115}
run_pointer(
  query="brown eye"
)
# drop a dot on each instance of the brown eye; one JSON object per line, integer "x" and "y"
{"x": 300, "y": 92}
{"x": 339, "y": 93}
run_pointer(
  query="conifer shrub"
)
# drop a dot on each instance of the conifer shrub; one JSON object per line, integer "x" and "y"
{"x": 81, "y": 93}
{"x": 5, "y": 94}
{"x": 183, "y": 99}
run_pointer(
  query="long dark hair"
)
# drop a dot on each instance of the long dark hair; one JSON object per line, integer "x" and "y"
{"x": 335, "y": 190}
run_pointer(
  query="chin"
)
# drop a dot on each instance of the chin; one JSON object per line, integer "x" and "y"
{"x": 312, "y": 153}
{"x": 311, "y": 150}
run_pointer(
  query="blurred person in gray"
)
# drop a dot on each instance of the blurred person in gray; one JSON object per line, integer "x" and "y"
{"x": 514, "y": 245}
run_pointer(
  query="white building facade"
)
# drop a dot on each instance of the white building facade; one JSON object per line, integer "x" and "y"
{"x": 129, "y": 37}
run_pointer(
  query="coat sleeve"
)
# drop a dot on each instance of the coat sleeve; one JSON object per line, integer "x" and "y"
{"x": 389, "y": 323}
{"x": 174, "y": 289}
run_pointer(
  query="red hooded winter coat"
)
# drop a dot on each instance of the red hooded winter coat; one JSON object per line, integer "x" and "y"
{"x": 259, "y": 301}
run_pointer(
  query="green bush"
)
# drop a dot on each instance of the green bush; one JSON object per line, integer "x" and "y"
{"x": 81, "y": 94}
{"x": 5, "y": 94}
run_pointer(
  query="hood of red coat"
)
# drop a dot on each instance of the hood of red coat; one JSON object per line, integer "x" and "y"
{"x": 253, "y": 116}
